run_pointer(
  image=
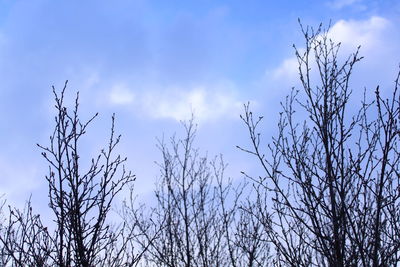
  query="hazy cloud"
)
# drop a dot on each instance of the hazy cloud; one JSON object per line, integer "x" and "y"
{"x": 121, "y": 95}
{"x": 17, "y": 180}
{"x": 338, "y": 4}
{"x": 207, "y": 104}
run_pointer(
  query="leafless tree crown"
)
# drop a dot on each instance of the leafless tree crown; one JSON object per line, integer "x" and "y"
{"x": 80, "y": 201}
{"x": 332, "y": 180}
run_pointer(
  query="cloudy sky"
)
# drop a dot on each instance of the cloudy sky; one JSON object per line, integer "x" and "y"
{"x": 153, "y": 62}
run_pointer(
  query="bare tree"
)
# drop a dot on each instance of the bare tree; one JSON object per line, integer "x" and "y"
{"x": 26, "y": 242}
{"x": 330, "y": 189}
{"x": 182, "y": 228}
{"x": 81, "y": 201}
{"x": 195, "y": 220}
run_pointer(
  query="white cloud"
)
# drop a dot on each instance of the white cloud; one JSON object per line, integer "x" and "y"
{"x": 207, "y": 103}
{"x": 372, "y": 34}
{"x": 367, "y": 33}
{"x": 288, "y": 70}
{"x": 121, "y": 95}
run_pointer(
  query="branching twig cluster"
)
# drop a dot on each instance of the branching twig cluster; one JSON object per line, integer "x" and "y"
{"x": 80, "y": 200}
{"x": 332, "y": 181}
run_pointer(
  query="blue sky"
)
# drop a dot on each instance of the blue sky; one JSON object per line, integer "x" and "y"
{"x": 153, "y": 62}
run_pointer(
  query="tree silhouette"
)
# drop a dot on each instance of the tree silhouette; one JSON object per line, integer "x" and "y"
{"x": 330, "y": 189}
{"x": 196, "y": 219}
{"x": 80, "y": 201}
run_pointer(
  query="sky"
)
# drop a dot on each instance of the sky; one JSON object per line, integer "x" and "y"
{"x": 153, "y": 63}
